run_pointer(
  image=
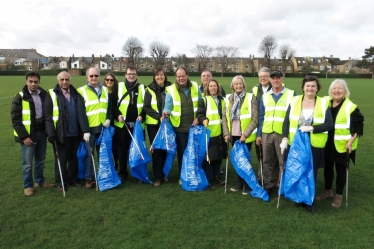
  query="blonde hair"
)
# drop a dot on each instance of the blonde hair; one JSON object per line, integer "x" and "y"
{"x": 343, "y": 83}
{"x": 235, "y": 79}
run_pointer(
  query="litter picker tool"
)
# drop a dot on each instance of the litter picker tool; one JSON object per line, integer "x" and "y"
{"x": 93, "y": 164}
{"x": 59, "y": 168}
{"x": 136, "y": 143}
{"x": 261, "y": 165}
{"x": 281, "y": 176}
{"x": 346, "y": 188}
{"x": 227, "y": 165}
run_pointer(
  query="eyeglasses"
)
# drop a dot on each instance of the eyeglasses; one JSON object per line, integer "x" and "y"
{"x": 111, "y": 80}
{"x": 131, "y": 74}
{"x": 95, "y": 75}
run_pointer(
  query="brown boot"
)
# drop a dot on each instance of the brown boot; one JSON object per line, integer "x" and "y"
{"x": 337, "y": 201}
{"x": 327, "y": 193}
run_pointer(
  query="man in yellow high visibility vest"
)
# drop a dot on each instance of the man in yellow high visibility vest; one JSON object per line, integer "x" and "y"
{"x": 99, "y": 114}
{"x": 128, "y": 100}
{"x": 181, "y": 102}
{"x": 69, "y": 122}
{"x": 272, "y": 111}
{"x": 28, "y": 119}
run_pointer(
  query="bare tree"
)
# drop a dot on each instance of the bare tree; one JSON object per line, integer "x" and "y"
{"x": 180, "y": 61}
{"x": 133, "y": 48}
{"x": 224, "y": 54}
{"x": 203, "y": 52}
{"x": 286, "y": 53}
{"x": 267, "y": 48}
{"x": 159, "y": 51}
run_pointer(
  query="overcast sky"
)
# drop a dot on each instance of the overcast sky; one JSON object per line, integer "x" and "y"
{"x": 62, "y": 28}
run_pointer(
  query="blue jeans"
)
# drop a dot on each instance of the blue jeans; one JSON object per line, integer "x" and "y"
{"x": 90, "y": 174}
{"x": 36, "y": 151}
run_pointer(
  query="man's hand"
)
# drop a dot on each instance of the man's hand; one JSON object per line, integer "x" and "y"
{"x": 121, "y": 119}
{"x": 166, "y": 115}
{"x": 106, "y": 123}
{"x": 259, "y": 141}
{"x": 283, "y": 144}
{"x": 242, "y": 139}
{"x": 86, "y": 137}
{"x": 195, "y": 122}
{"x": 139, "y": 118}
{"x": 27, "y": 141}
{"x": 227, "y": 138}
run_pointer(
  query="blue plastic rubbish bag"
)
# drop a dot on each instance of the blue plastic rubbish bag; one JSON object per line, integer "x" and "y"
{"x": 107, "y": 177}
{"x": 81, "y": 154}
{"x": 165, "y": 140}
{"x": 138, "y": 155}
{"x": 298, "y": 180}
{"x": 192, "y": 174}
{"x": 241, "y": 160}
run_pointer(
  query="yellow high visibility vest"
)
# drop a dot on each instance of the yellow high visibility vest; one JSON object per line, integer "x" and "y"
{"x": 55, "y": 113}
{"x": 125, "y": 102}
{"x": 245, "y": 117}
{"x": 342, "y": 127}
{"x": 318, "y": 140}
{"x": 175, "y": 115}
{"x": 149, "y": 119}
{"x": 275, "y": 112}
{"x": 26, "y": 115}
{"x": 212, "y": 113}
{"x": 96, "y": 107}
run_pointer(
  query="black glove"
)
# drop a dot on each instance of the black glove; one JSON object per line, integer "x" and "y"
{"x": 52, "y": 140}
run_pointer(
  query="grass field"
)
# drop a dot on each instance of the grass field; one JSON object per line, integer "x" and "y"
{"x": 137, "y": 215}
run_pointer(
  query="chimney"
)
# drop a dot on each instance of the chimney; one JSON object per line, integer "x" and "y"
{"x": 92, "y": 55}
{"x": 349, "y": 58}
{"x": 331, "y": 56}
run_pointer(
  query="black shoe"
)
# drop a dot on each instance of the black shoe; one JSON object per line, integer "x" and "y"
{"x": 269, "y": 190}
{"x": 219, "y": 181}
{"x": 211, "y": 184}
{"x": 310, "y": 209}
{"x": 237, "y": 187}
{"x": 246, "y": 189}
{"x": 76, "y": 184}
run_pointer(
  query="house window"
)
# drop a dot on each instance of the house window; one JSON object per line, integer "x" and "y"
{"x": 303, "y": 61}
{"x": 298, "y": 62}
{"x": 288, "y": 68}
{"x": 142, "y": 65}
{"x": 150, "y": 66}
{"x": 322, "y": 67}
{"x": 167, "y": 66}
{"x": 210, "y": 66}
{"x": 75, "y": 65}
{"x": 117, "y": 66}
{"x": 192, "y": 67}
{"x": 236, "y": 66}
{"x": 319, "y": 60}
{"x": 347, "y": 66}
{"x": 82, "y": 64}
{"x": 246, "y": 66}
{"x": 240, "y": 59}
{"x": 280, "y": 68}
{"x": 102, "y": 65}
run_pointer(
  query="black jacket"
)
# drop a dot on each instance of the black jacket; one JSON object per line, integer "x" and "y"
{"x": 64, "y": 113}
{"x": 160, "y": 104}
{"x": 16, "y": 115}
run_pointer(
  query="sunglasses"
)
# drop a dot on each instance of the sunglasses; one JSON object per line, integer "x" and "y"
{"x": 111, "y": 80}
{"x": 95, "y": 75}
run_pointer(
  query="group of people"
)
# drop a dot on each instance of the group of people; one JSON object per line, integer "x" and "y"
{"x": 267, "y": 116}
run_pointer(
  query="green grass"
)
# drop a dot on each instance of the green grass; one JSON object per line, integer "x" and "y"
{"x": 137, "y": 215}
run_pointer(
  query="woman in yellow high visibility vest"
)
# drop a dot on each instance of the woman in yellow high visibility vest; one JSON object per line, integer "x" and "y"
{"x": 242, "y": 120}
{"x": 348, "y": 125}
{"x": 211, "y": 113}
{"x": 309, "y": 113}
{"x": 154, "y": 101}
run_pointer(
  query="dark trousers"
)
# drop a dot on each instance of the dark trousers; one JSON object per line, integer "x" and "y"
{"x": 341, "y": 176}
{"x": 181, "y": 139}
{"x": 123, "y": 148}
{"x": 67, "y": 154}
{"x": 249, "y": 145}
{"x": 158, "y": 156}
{"x": 212, "y": 169}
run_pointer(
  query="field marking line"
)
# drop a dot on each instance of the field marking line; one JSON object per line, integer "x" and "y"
{"x": 7, "y": 97}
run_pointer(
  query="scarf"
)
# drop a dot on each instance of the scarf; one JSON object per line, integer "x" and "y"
{"x": 130, "y": 89}
{"x": 238, "y": 99}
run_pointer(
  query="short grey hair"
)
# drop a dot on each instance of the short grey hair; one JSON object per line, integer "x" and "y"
{"x": 58, "y": 75}
{"x": 343, "y": 83}
{"x": 98, "y": 71}
{"x": 264, "y": 69}
{"x": 236, "y": 78}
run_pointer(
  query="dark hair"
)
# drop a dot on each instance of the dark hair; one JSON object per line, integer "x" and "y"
{"x": 131, "y": 68}
{"x": 157, "y": 71}
{"x": 33, "y": 74}
{"x": 309, "y": 78}
{"x": 206, "y": 90}
{"x": 183, "y": 68}
{"x": 115, "y": 80}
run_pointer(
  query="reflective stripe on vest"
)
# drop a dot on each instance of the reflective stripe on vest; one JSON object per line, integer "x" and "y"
{"x": 126, "y": 101}
{"x": 96, "y": 107}
{"x": 245, "y": 117}
{"x": 213, "y": 116}
{"x": 55, "y": 113}
{"x": 149, "y": 119}
{"x": 26, "y": 115}
{"x": 318, "y": 140}
{"x": 275, "y": 112}
{"x": 342, "y": 127}
{"x": 177, "y": 109}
